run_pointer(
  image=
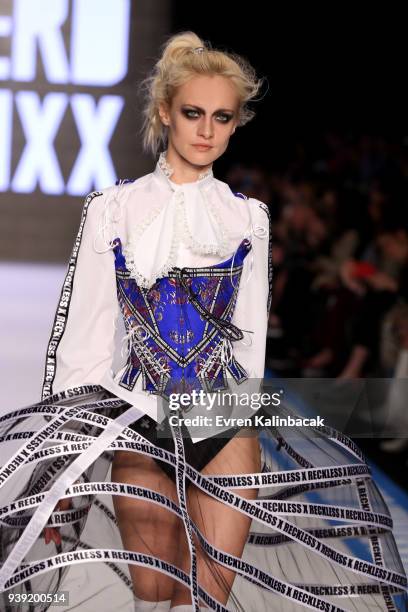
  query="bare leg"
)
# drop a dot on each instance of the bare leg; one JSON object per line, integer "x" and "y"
{"x": 225, "y": 528}
{"x": 144, "y": 526}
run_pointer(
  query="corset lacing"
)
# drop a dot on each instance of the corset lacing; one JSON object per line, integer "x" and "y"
{"x": 135, "y": 338}
{"x": 223, "y": 354}
{"x": 226, "y": 328}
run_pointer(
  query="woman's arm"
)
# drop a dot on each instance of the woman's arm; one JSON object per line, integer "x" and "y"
{"x": 81, "y": 344}
{"x": 255, "y": 294}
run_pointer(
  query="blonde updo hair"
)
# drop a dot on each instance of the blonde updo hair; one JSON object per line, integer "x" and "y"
{"x": 177, "y": 65}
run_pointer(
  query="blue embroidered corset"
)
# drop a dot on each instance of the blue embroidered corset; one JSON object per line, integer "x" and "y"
{"x": 180, "y": 328}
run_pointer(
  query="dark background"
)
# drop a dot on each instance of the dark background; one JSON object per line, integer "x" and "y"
{"x": 328, "y": 68}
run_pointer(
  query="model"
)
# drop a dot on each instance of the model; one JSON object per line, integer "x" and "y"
{"x": 127, "y": 467}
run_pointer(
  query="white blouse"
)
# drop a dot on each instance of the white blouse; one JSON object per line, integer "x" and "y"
{"x": 161, "y": 224}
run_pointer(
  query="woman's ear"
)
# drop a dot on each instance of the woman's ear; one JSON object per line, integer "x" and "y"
{"x": 164, "y": 115}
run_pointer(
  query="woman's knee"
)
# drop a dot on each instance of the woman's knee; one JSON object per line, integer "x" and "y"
{"x": 135, "y": 463}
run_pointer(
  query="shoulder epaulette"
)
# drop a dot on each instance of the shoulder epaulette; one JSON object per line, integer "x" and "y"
{"x": 123, "y": 181}
{"x": 240, "y": 195}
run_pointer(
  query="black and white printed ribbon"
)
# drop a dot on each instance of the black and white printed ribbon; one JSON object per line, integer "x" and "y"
{"x": 117, "y": 435}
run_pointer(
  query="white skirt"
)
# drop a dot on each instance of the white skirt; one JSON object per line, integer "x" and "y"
{"x": 320, "y": 535}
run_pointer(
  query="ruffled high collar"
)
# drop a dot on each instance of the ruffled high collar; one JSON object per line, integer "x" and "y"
{"x": 169, "y": 171}
{"x": 185, "y": 213}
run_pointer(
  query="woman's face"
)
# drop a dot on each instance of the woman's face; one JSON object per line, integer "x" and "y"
{"x": 203, "y": 111}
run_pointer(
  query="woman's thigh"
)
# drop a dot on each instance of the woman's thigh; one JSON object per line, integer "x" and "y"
{"x": 224, "y": 527}
{"x": 145, "y": 526}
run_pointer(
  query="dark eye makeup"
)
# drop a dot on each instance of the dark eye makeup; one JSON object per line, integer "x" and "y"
{"x": 193, "y": 113}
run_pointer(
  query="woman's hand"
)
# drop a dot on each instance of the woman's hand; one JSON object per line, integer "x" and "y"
{"x": 346, "y": 273}
{"x": 382, "y": 282}
{"x": 53, "y": 533}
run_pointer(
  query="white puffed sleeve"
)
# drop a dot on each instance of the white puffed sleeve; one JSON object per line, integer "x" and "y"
{"x": 81, "y": 344}
{"x": 255, "y": 293}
